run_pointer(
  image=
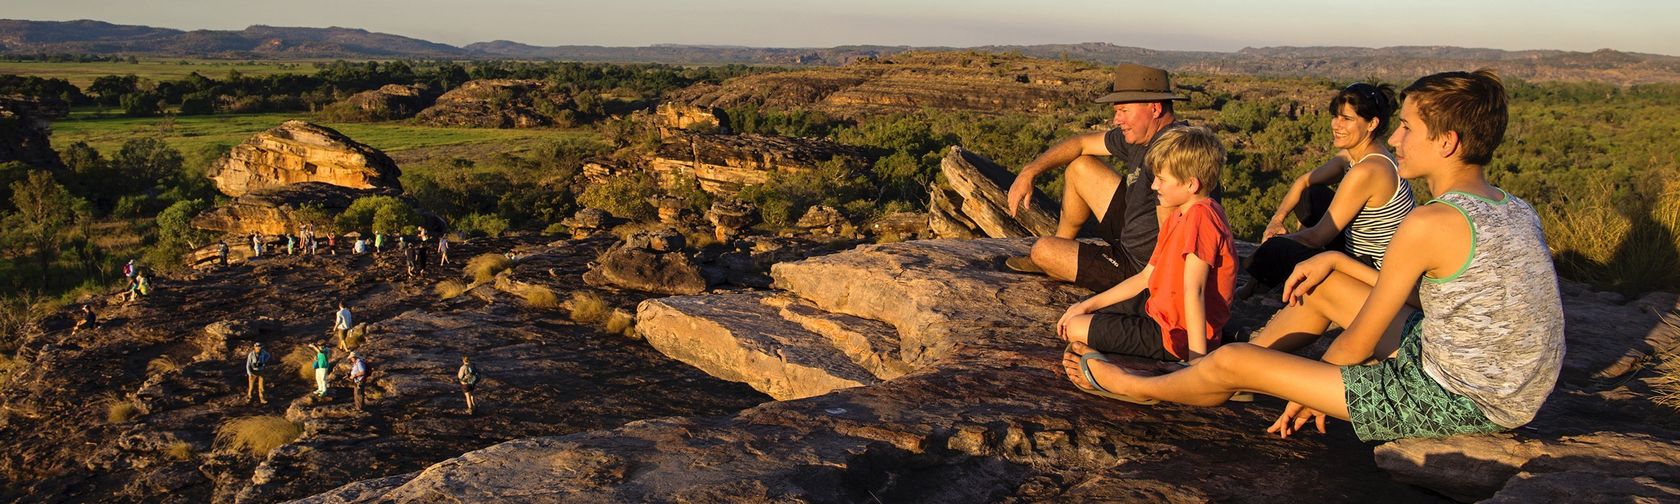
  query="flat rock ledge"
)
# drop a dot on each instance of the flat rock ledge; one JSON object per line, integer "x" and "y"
{"x": 924, "y": 372}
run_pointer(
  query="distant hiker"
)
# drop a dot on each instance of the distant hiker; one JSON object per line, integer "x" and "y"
{"x": 321, "y": 366}
{"x": 1357, "y": 218}
{"x": 129, "y": 270}
{"x": 341, "y": 325}
{"x": 443, "y": 250}
{"x": 289, "y": 243}
{"x": 140, "y": 285}
{"x": 420, "y": 254}
{"x": 378, "y": 242}
{"x": 255, "y": 362}
{"x": 402, "y": 242}
{"x": 1127, "y": 211}
{"x": 359, "y": 247}
{"x": 256, "y": 245}
{"x": 332, "y": 244}
{"x": 358, "y": 374}
{"x": 408, "y": 260}
{"x": 84, "y": 319}
{"x": 222, "y": 251}
{"x": 467, "y": 376}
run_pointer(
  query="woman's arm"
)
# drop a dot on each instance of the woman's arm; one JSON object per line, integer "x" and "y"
{"x": 1357, "y": 190}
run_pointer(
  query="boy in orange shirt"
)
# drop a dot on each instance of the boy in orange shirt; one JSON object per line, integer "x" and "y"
{"x": 1190, "y": 277}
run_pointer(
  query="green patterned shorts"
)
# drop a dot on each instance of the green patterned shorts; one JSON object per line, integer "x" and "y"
{"x": 1394, "y": 399}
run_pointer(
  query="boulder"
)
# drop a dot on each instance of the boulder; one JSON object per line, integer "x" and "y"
{"x": 730, "y": 216}
{"x": 821, "y": 219}
{"x": 975, "y": 201}
{"x": 499, "y": 103}
{"x": 296, "y": 152}
{"x": 638, "y": 268}
{"x": 681, "y": 116}
{"x": 275, "y": 210}
{"x": 389, "y": 102}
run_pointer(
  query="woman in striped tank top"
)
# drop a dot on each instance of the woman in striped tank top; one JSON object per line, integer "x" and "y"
{"x": 1359, "y": 217}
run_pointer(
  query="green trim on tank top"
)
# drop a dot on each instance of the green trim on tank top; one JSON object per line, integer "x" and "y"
{"x": 1475, "y": 237}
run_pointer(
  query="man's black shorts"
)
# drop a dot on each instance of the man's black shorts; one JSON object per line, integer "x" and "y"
{"x": 1102, "y": 266}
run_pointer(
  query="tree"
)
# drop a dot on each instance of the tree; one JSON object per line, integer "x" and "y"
{"x": 147, "y": 162}
{"x": 44, "y": 208}
{"x": 110, "y": 89}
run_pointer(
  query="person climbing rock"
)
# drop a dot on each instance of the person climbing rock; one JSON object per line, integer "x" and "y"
{"x": 255, "y": 362}
{"x": 467, "y": 376}
{"x": 322, "y": 365}
{"x": 84, "y": 319}
{"x": 341, "y": 325}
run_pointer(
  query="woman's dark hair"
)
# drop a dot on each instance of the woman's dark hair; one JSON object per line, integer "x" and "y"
{"x": 1370, "y": 101}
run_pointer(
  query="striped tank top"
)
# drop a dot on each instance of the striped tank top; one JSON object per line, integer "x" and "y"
{"x": 1493, "y": 330}
{"x": 1372, "y": 228}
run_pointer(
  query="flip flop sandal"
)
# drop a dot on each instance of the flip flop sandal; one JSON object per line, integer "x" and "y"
{"x": 1096, "y": 389}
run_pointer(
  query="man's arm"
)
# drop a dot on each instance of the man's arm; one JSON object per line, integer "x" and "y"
{"x": 1195, "y": 309}
{"x": 1064, "y": 152}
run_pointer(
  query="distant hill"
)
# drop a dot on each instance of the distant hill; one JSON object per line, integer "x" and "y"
{"x": 270, "y": 42}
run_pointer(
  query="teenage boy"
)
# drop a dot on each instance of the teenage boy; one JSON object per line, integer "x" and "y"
{"x": 1484, "y": 351}
{"x": 1190, "y": 276}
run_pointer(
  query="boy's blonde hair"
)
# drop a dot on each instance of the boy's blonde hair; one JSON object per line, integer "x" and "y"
{"x": 1188, "y": 153}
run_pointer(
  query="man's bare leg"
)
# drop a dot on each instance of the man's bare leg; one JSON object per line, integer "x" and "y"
{"x": 1231, "y": 368}
{"x": 1087, "y": 189}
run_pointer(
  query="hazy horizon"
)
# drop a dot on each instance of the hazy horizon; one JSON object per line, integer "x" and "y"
{"x": 1221, "y": 25}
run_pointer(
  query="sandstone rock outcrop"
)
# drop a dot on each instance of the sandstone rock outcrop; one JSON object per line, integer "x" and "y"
{"x": 389, "y": 102}
{"x": 498, "y": 103}
{"x": 649, "y": 264}
{"x": 678, "y": 116}
{"x": 296, "y": 152}
{"x": 274, "y": 210}
{"x": 974, "y": 201}
{"x": 724, "y": 163}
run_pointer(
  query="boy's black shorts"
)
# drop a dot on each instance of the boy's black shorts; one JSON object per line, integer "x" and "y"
{"x": 1125, "y": 328}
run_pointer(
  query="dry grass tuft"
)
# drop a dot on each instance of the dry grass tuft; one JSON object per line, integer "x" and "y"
{"x": 1629, "y": 250}
{"x": 1667, "y": 382}
{"x": 179, "y": 450}
{"x": 121, "y": 411}
{"x": 588, "y": 308}
{"x": 448, "y": 289}
{"x": 302, "y": 359}
{"x": 621, "y": 323}
{"x": 484, "y": 267}
{"x": 162, "y": 364}
{"x": 257, "y": 435}
{"x": 537, "y": 296}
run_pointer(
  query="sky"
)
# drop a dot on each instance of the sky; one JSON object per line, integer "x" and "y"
{"x": 1216, "y": 25}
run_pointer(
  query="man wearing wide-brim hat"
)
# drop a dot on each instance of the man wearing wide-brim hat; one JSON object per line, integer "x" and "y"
{"x": 1125, "y": 206}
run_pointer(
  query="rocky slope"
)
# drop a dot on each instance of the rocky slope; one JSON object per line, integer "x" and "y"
{"x": 497, "y": 103}
{"x": 926, "y": 374}
{"x": 177, "y": 356}
{"x": 297, "y": 151}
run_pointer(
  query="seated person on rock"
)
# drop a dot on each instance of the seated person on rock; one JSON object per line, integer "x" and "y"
{"x": 1191, "y": 274}
{"x": 1359, "y": 217}
{"x": 1481, "y": 355}
{"x": 1125, "y": 207}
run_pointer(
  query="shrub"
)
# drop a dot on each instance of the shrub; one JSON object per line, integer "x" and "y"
{"x": 490, "y": 225}
{"x": 484, "y": 267}
{"x": 625, "y": 197}
{"x": 121, "y": 411}
{"x": 448, "y": 289}
{"x": 387, "y": 214}
{"x": 162, "y": 364}
{"x": 179, "y": 450}
{"x": 588, "y": 308}
{"x": 257, "y": 435}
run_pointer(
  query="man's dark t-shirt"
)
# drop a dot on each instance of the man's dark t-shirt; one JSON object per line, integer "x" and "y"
{"x": 1133, "y": 238}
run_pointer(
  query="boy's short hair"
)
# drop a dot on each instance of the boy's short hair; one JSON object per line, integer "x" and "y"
{"x": 1186, "y": 153}
{"x": 1470, "y": 103}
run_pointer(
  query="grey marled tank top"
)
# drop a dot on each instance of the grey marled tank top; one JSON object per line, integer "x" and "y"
{"x": 1493, "y": 331}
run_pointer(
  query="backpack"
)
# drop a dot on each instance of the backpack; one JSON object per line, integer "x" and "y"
{"x": 262, "y": 360}
{"x": 472, "y": 375}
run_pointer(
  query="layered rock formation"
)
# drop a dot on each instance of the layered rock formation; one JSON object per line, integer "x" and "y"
{"x": 677, "y": 116}
{"x": 391, "y": 101}
{"x": 973, "y": 201}
{"x": 985, "y": 83}
{"x": 498, "y": 103}
{"x": 297, "y": 151}
{"x": 725, "y": 163}
{"x": 275, "y": 210}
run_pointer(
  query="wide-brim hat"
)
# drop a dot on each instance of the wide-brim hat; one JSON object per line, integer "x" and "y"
{"x": 1138, "y": 83}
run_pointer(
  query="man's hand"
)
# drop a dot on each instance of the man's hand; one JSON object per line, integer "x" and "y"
{"x": 1019, "y": 192}
{"x": 1293, "y": 418}
{"x": 1273, "y": 228}
{"x": 1307, "y": 275}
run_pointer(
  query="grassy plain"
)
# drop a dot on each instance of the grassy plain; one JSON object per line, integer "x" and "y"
{"x": 82, "y": 74}
{"x": 195, "y": 133}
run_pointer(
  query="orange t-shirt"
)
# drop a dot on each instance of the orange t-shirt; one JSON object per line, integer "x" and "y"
{"x": 1203, "y": 230}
